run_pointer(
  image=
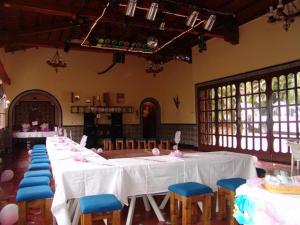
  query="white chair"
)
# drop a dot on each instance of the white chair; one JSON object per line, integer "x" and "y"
{"x": 295, "y": 154}
{"x": 83, "y": 141}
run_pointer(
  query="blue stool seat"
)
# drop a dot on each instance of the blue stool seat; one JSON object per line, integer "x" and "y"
{"x": 34, "y": 151}
{"x": 231, "y": 183}
{"x": 40, "y": 160}
{"x": 34, "y": 181}
{"x": 38, "y": 173}
{"x": 34, "y": 193}
{"x": 40, "y": 156}
{"x": 99, "y": 203}
{"x": 39, "y": 146}
{"x": 39, "y": 166}
{"x": 38, "y": 153}
{"x": 189, "y": 189}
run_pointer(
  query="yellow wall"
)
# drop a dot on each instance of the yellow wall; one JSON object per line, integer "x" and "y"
{"x": 261, "y": 44}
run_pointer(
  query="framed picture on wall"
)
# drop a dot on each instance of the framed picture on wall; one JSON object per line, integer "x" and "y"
{"x": 74, "y": 109}
{"x": 120, "y": 98}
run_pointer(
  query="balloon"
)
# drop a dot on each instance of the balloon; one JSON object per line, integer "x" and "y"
{"x": 7, "y": 175}
{"x": 155, "y": 151}
{"x": 9, "y": 214}
{"x": 177, "y": 137}
{"x": 29, "y": 152}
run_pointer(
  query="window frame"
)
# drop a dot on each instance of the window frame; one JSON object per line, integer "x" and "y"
{"x": 267, "y": 74}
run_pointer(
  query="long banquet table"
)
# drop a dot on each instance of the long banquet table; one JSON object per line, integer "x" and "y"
{"x": 125, "y": 177}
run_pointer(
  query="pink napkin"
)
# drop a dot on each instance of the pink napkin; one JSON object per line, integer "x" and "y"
{"x": 176, "y": 153}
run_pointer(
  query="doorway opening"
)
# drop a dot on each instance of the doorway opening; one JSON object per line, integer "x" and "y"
{"x": 150, "y": 117}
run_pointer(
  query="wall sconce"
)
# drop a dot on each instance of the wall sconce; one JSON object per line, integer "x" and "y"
{"x": 74, "y": 97}
{"x": 152, "y": 11}
{"x": 131, "y": 6}
{"x": 176, "y": 101}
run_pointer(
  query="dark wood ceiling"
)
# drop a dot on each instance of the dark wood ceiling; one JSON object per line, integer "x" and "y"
{"x": 65, "y": 23}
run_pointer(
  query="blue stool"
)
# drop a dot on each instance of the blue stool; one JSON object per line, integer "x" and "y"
{"x": 39, "y": 146}
{"x": 226, "y": 188}
{"x": 38, "y": 173}
{"x": 39, "y": 166}
{"x": 34, "y": 151}
{"x": 34, "y": 197}
{"x": 40, "y": 157}
{"x": 105, "y": 206}
{"x": 40, "y": 160}
{"x": 34, "y": 181}
{"x": 189, "y": 194}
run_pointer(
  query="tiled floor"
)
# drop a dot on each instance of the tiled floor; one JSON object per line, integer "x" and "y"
{"x": 18, "y": 162}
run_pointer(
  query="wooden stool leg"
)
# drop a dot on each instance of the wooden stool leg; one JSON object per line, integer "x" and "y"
{"x": 22, "y": 213}
{"x": 186, "y": 211}
{"x": 116, "y": 218}
{"x": 173, "y": 209}
{"x": 86, "y": 219}
{"x": 48, "y": 214}
{"x": 222, "y": 204}
{"x": 207, "y": 210}
{"x": 231, "y": 205}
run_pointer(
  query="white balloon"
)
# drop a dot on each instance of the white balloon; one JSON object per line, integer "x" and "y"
{"x": 155, "y": 151}
{"x": 177, "y": 137}
{"x": 9, "y": 214}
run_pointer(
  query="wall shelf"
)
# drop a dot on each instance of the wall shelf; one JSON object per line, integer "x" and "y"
{"x": 102, "y": 109}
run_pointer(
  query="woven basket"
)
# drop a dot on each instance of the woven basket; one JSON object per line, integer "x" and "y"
{"x": 282, "y": 189}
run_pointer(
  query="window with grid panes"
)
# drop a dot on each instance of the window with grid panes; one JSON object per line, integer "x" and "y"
{"x": 227, "y": 116}
{"x": 285, "y": 109}
{"x": 255, "y": 112}
{"x": 253, "y": 115}
{"x": 207, "y": 126}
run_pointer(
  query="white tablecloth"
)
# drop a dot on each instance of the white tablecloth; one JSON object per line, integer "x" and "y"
{"x": 126, "y": 177}
{"x": 35, "y": 134}
{"x": 270, "y": 208}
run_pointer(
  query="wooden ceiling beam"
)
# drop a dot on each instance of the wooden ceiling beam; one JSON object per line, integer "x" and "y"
{"x": 49, "y": 9}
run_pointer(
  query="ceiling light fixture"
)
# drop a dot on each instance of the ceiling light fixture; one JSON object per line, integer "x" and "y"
{"x": 210, "y": 22}
{"x": 151, "y": 14}
{"x": 162, "y": 25}
{"x": 285, "y": 13}
{"x": 56, "y": 61}
{"x": 131, "y": 6}
{"x": 192, "y": 19}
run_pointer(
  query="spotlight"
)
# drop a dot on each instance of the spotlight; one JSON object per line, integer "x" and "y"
{"x": 210, "y": 22}
{"x": 131, "y": 6}
{"x": 192, "y": 19}
{"x": 152, "y": 11}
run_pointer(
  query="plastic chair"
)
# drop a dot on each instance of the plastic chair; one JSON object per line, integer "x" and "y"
{"x": 295, "y": 154}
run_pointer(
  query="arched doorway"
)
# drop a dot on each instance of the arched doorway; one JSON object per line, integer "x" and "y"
{"x": 34, "y": 105}
{"x": 150, "y": 117}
